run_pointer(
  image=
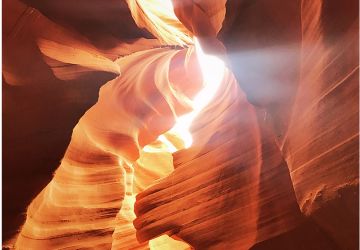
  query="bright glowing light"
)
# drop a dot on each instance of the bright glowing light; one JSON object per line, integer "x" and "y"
{"x": 212, "y": 69}
{"x": 159, "y": 18}
{"x": 164, "y": 242}
{"x": 127, "y": 207}
{"x": 167, "y": 143}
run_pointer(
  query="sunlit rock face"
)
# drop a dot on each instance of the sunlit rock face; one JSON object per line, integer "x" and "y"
{"x": 195, "y": 148}
{"x": 79, "y": 206}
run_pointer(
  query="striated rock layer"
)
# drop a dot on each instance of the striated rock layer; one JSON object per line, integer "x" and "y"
{"x": 38, "y": 106}
{"x": 78, "y": 207}
{"x": 323, "y": 159}
{"x": 271, "y": 162}
{"x": 227, "y": 186}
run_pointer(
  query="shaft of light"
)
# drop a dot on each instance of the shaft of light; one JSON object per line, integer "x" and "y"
{"x": 212, "y": 69}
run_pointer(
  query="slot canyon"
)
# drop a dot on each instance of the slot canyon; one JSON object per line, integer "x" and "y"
{"x": 180, "y": 124}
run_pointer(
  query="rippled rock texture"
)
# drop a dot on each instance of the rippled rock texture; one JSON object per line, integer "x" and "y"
{"x": 273, "y": 162}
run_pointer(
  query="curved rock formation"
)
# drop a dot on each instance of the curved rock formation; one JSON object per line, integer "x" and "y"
{"x": 323, "y": 159}
{"x": 269, "y": 163}
{"x": 232, "y": 180}
{"x": 78, "y": 207}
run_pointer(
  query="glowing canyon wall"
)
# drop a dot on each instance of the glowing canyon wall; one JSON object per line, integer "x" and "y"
{"x": 268, "y": 161}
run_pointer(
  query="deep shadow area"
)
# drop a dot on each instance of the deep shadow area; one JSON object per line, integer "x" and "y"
{"x": 308, "y": 236}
